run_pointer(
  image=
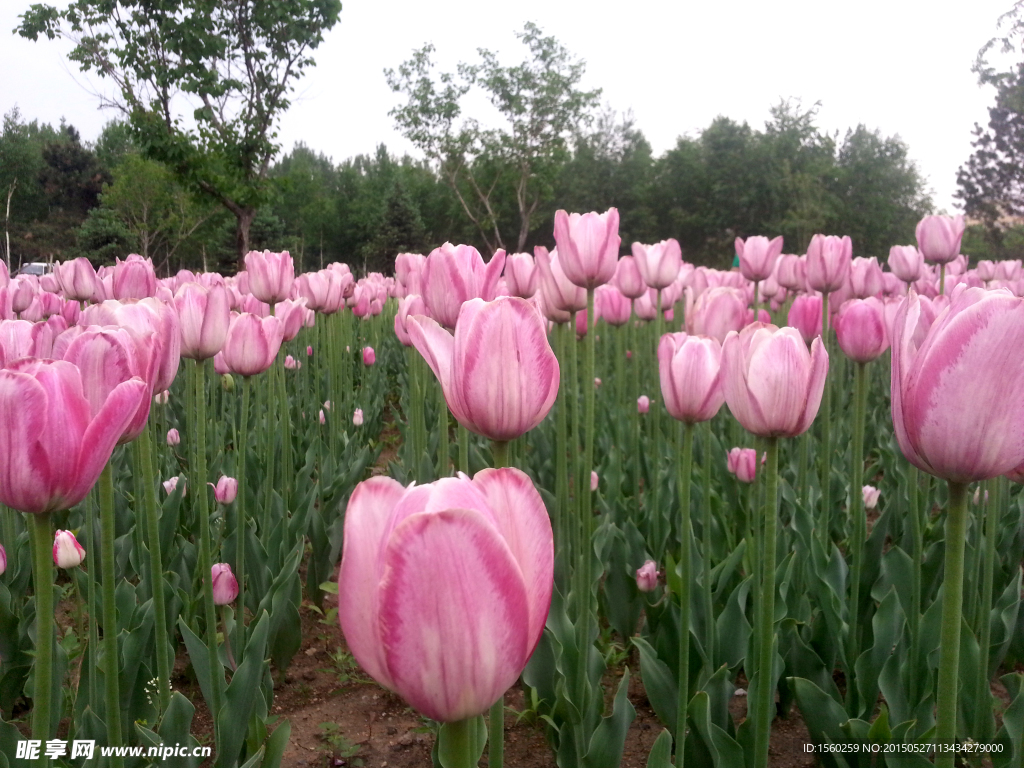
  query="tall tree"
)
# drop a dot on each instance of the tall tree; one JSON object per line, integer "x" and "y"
{"x": 202, "y": 83}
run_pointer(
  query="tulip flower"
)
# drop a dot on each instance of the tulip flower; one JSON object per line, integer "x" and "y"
{"x": 134, "y": 278}
{"x": 3, "y": 557}
{"x": 309, "y": 350}
{"x": 869, "y": 495}
{"x": 594, "y": 481}
{"x": 611, "y": 305}
{"x": 454, "y": 274}
{"x": 225, "y": 586}
{"x": 906, "y": 262}
{"x": 204, "y": 316}
{"x": 643, "y": 404}
{"x": 323, "y": 418}
{"x": 861, "y": 329}
{"x": 658, "y": 264}
{"x": 357, "y": 417}
{"x": 758, "y": 256}
{"x": 53, "y": 444}
{"x": 369, "y": 356}
{"x": 805, "y": 316}
{"x": 291, "y": 363}
{"x": 865, "y": 277}
{"x": 226, "y": 489}
{"x": 690, "y": 372}
{"x": 716, "y": 312}
{"x": 521, "y": 275}
{"x": 828, "y": 262}
{"x": 173, "y": 438}
{"x": 292, "y": 315}
{"x": 559, "y": 294}
{"x": 170, "y": 486}
{"x": 938, "y": 238}
{"x": 628, "y": 279}
{"x": 270, "y": 275}
{"x": 77, "y": 279}
{"x": 790, "y": 272}
{"x": 67, "y": 552}
{"x": 252, "y": 344}
{"x": 742, "y": 462}
{"x": 498, "y": 373}
{"x": 588, "y": 245}
{"x": 444, "y": 588}
{"x": 647, "y": 576}
{"x": 161, "y": 398}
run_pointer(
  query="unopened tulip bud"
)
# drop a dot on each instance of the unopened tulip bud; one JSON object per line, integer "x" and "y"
{"x": 3, "y": 559}
{"x": 597, "y": 382}
{"x": 171, "y": 485}
{"x": 647, "y": 576}
{"x": 290, "y": 363}
{"x": 978, "y": 496}
{"x": 594, "y": 480}
{"x": 327, "y": 405}
{"x": 643, "y": 404}
{"x": 173, "y": 438}
{"x": 323, "y": 419}
{"x": 309, "y": 351}
{"x": 225, "y": 585}
{"x": 225, "y": 490}
{"x": 357, "y": 417}
{"x": 67, "y": 552}
{"x": 369, "y": 356}
{"x": 870, "y": 494}
{"x": 227, "y": 383}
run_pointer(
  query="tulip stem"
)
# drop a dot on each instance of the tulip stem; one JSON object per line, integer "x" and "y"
{"x": 94, "y": 637}
{"x": 685, "y": 469}
{"x": 915, "y": 595}
{"x": 284, "y": 429}
{"x": 442, "y": 433}
{"x": 656, "y": 516}
{"x": 144, "y": 456}
{"x": 859, "y": 534}
{"x": 826, "y": 444}
{"x": 241, "y": 520}
{"x": 269, "y": 388}
{"x": 42, "y": 576}
{"x": 463, "y": 449}
{"x": 563, "y": 551}
{"x": 709, "y": 640}
{"x": 111, "y": 662}
{"x": 982, "y": 701}
{"x": 952, "y": 607}
{"x": 766, "y": 646}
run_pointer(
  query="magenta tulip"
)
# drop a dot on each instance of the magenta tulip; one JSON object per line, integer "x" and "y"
{"x": 454, "y": 274}
{"x": 659, "y": 264}
{"x": 861, "y": 329}
{"x": 690, "y": 372}
{"x": 252, "y": 344}
{"x": 938, "y": 238}
{"x": 757, "y": 256}
{"x": 828, "y": 262}
{"x": 67, "y": 552}
{"x": 444, "y": 588}
{"x": 643, "y": 404}
{"x": 647, "y": 576}
{"x": 773, "y": 385}
{"x": 958, "y": 395}
{"x": 270, "y": 275}
{"x": 369, "y": 356}
{"x": 225, "y": 585}
{"x": 588, "y": 246}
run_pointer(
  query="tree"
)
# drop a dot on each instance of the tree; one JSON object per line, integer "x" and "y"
{"x": 542, "y": 106}
{"x": 202, "y": 83}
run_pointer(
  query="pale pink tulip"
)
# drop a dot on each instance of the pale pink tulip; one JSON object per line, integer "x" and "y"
{"x": 369, "y": 356}
{"x": 647, "y": 576}
{"x": 134, "y": 278}
{"x": 357, "y": 417}
{"x": 805, "y": 316}
{"x": 173, "y": 437}
{"x": 409, "y": 271}
{"x": 588, "y": 246}
{"x": 77, "y": 279}
{"x": 643, "y": 404}
{"x": 906, "y": 262}
{"x": 742, "y": 462}
{"x": 938, "y": 238}
{"x": 521, "y": 275}
{"x": 225, "y": 585}
{"x": 861, "y": 329}
{"x": 252, "y": 344}
{"x": 717, "y": 312}
{"x": 203, "y": 316}
{"x": 226, "y": 489}
{"x": 870, "y": 496}
{"x": 454, "y": 274}
{"x": 594, "y": 481}
{"x": 611, "y": 305}
{"x": 828, "y": 262}
{"x": 291, "y": 363}
{"x": 270, "y": 275}
{"x": 627, "y": 278}
{"x": 170, "y": 486}
{"x": 757, "y": 256}
{"x": 412, "y": 304}
{"x": 556, "y": 289}
{"x": 865, "y": 277}
{"x": 292, "y": 315}
{"x": 690, "y": 371}
{"x": 67, "y": 552}
{"x": 659, "y": 264}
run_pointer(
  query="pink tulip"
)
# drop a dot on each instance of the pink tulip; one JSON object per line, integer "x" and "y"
{"x": 870, "y": 496}
{"x": 938, "y": 238}
{"x": 170, "y": 486}
{"x": 628, "y": 279}
{"x": 646, "y": 307}
{"x": 225, "y": 490}
{"x": 659, "y": 264}
{"x": 594, "y": 481}
{"x": 134, "y": 278}
{"x": 291, "y": 363}
{"x": 67, "y": 552}
{"x": 498, "y": 373}
{"x": 757, "y": 256}
{"x": 409, "y": 271}
{"x": 270, "y": 275}
{"x": 828, "y": 262}
{"x": 252, "y": 344}
{"x": 357, "y": 417}
{"x": 791, "y": 272}
{"x": 643, "y": 404}
{"x": 906, "y": 262}
{"x": 454, "y": 274}
{"x": 861, "y": 329}
{"x": 986, "y": 270}
{"x": 611, "y": 305}
{"x": 203, "y": 316}
{"x": 865, "y": 277}
{"x": 412, "y": 304}
{"x": 369, "y": 356}
{"x": 3, "y": 552}
{"x": 444, "y": 588}
{"x": 742, "y": 462}
{"x": 323, "y": 418}
{"x": 805, "y": 316}
{"x": 717, "y": 312}
{"x": 21, "y": 291}
{"x": 77, "y": 279}
{"x": 588, "y": 246}
{"x": 958, "y": 396}
{"x": 557, "y": 291}
{"x": 690, "y": 371}
{"x": 292, "y": 315}
{"x": 773, "y": 385}
{"x": 53, "y": 446}
{"x": 173, "y": 437}
{"x": 647, "y": 576}
{"x": 1005, "y": 270}
{"x": 521, "y": 275}
{"x": 225, "y": 585}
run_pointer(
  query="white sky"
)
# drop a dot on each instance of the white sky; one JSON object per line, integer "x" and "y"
{"x": 903, "y": 66}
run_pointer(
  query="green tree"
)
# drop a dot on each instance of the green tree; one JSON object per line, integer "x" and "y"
{"x": 202, "y": 84}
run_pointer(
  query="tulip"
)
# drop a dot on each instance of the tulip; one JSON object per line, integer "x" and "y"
{"x": 170, "y": 486}
{"x": 643, "y": 404}
{"x": 409, "y": 271}
{"x": 758, "y": 256}
{"x": 292, "y": 315}
{"x": 134, "y": 278}
{"x": 454, "y": 274}
{"x": 742, "y": 462}
{"x": 369, "y": 356}
{"x": 870, "y": 496}
{"x": 204, "y": 316}
{"x": 805, "y": 316}
{"x": 938, "y": 238}
{"x": 588, "y": 245}
{"x": 594, "y": 480}
{"x": 521, "y": 275}
{"x": 861, "y": 329}
{"x": 611, "y": 305}
{"x": 77, "y": 279}
{"x": 444, "y": 588}
{"x": 309, "y": 350}
{"x": 323, "y": 419}
{"x": 690, "y": 372}
{"x": 828, "y": 262}
{"x": 67, "y": 552}
{"x": 628, "y": 279}
{"x": 658, "y": 264}
{"x": 646, "y": 306}
{"x": 161, "y": 398}
{"x": 270, "y": 275}
{"x": 865, "y": 277}
{"x": 717, "y": 312}
{"x": 291, "y": 363}
{"x": 252, "y": 344}
{"x": 647, "y": 576}
{"x": 225, "y": 490}
{"x": 906, "y": 262}
{"x": 3, "y": 552}
{"x": 357, "y": 417}
{"x": 225, "y": 585}
{"x": 498, "y": 373}
{"x": 559, "y": 294}
{"x": 173, "y": 438}
{"x": 53, "y": 445}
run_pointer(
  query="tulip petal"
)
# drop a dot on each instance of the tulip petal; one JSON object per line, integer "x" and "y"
{"x": 452, "y": 591}
{"x": 436, "y": 346}
{"x": 25, "y": 472}
{"x": 815, "y": 386}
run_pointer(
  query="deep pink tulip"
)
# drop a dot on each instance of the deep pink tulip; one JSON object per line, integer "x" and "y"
{"x": 865, "y": 277}
{"x": 659, "y": 264}
{"x": 757, "y": 256}
{"x": 225, "y": 585}
{"x": 444, "y": 588}
{"x": 647, "y": 576}
{"x": 588, "y": 246}
{"x": 52, "y": 445}
{"x": 67, "y": 552}
{"x": 77, "y": 279}
{"x": 906, "y": 262}
{"x": 203, "y": 316}
{"x": 270, "y": 275}
{"x": 369, "y": 356}
{"x": 742, "y": 462}
{"x": 627, "y": 278}
{"x": 226, "y": 489}
{"x": 643, "y": 404}
{"x": 690, "y": 371}
{"x": 958, "y": 396}
{"x": 717, "y": 312}
{"x": 252, "y": 344}
{"x": 521, "y": 275}
{"x": 454, "y": 274}
{"x": 773, "y": 385}
{"x": 828, "y": 262}
{"x": 861, "y": 329}
{"x": 134, "y": 278}
{"x": 805, "y": 316}
{"x": 498, "y": 373}
{"x": 938, "y": 238}
{"x": 556, "y": 289}
{"x": 611, "y": 305}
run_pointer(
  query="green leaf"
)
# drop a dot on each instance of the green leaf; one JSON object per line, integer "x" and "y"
{"x": 661, "y": 751}
{"x": 608, "y": 741}
{"x": 448, "y": 748}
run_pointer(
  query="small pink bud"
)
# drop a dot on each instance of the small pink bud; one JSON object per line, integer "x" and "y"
{"x": 978, "y": 496}
{"x": 369, "y": 356}
{"x": 327, "y": 405}
{"x": 593, "y": 480}
{"x": 161, "y": 398}
{"x": 225, "y": 490}
{"x": 629, "y": 354}
{"x": 643, "y": 404}
{"x": 357, "y": 417}
{"x": 290, "y": 363}
{"x": 309, "y": 351}
{"x": 171, "y": 485}
{"x": 3, "y": 559}
{"x": 597, "y": 382}
{"x": 870, "y": 494}
{"x": 323, "y": 419}
{"x": 173, "y": 438}
{"x": 225, "y": 585}
{"x": 647, "y": 576}
{"x": 67, "y": 552}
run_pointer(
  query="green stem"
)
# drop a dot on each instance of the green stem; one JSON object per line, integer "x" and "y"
{"x": 634, "y": 377}
{"x": 826, "y": 445}
{"x": 94, "y": 637}
{"x": 983, "y": 699}
{"x": 269, "y": 387}
{"x": 860, "y": 395}
{"x": 442, "y": 433}
{"x": 952, "y": 606}
{"x": 284, "y": 428}
{"x": 563, "y": 551}
{"x": 915, "y": 586}
{"x": 111, "y": 662}
{"x": 655, "y": 454}
{"x": 459, "y": 736}
{"x": 241, "y": 513}
{"x": 496, "y": 718}
{"x": 572, "y": 519}
{"x": 766, "y": 649}
{"x": 942, "y": 280}
{"x": 164, "y": 654}
{"x": 463, "y": 449}
{"x": 42, "y": 578}
{"x": 685, "y": 470}
{"x": 709, "y": 613}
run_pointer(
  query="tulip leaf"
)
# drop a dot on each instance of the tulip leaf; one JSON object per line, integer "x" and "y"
{"x": 609, "y": 739}
{"x": 240, "y": 694}
{"x": 733, "y": 627}
{"x": 199, "y": 656}
{"x": 276, "y": 745}
{"x": 452, "y": 752}
{"x": 660, "y": 684}
{"x": 887, "y": 626}
{"x": 661, "y": 751}
{"x": 724, "y": 751}
{"x": 822, "y": 714}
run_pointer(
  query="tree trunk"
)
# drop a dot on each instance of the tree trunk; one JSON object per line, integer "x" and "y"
{"x": 243, "y": 221}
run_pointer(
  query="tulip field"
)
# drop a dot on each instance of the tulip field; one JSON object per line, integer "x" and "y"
{"x": 543, "y": 491}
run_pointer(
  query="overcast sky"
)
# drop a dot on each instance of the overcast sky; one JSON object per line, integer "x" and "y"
{"x": 901, "y": 66}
